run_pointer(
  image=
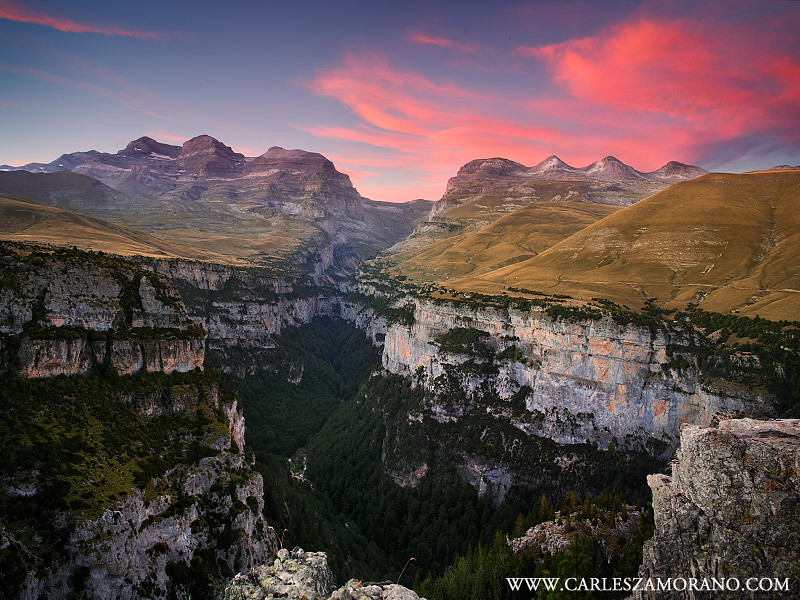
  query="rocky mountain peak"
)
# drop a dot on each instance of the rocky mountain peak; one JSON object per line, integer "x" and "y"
{"x": 495, "y": 165}
{"x": 205, "y": 144}
{"x": 677, "y": 171}
{"x": 147, "y": 147}
{"x": 552, "y": 162}
{"x": 206, "y": 156}
{"x": 612, "y": 167}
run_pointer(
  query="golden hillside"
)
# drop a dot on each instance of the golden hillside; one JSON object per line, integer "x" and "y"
{"x": 510, "y": 238}
{"x": 27, "y": 221}
{"x": 731, "y": 242}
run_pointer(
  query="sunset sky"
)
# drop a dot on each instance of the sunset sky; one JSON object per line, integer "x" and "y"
{"x": 401, "y": 94}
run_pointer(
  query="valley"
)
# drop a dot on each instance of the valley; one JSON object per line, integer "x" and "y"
{"x": 223, "y": 348}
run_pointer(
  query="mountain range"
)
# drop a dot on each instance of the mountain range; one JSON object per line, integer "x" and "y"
{"x": 205, "y": 195}
{"x": 606, "y": 181}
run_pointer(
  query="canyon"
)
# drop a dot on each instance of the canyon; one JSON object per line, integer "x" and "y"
{"x": 517, "y": 391}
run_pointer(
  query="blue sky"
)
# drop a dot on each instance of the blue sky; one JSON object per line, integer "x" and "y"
{"x": 400, "y": 95}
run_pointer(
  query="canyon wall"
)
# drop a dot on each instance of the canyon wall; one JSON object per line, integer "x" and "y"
{"x": 582, "y": 378}
{"x": 68, "y": 312}
{"x": 126, "y": 476}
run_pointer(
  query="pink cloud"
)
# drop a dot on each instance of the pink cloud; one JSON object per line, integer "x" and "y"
{"x": 719, "y": 77}
{"x": 647, "y": 91}
{"x": 416, "y": 37}
{"x": 11, "y": 12}
{"x": 427, "y": 129}
{"x": 163, "y": 136}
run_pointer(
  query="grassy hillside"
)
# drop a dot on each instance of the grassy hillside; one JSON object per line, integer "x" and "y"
{"x": 460, "y": 239}
{"x": 25, "y": 220}
{"x": 729, "y": 242}
{"x": 511, "y": 238}
{"x": 63, "y": 189}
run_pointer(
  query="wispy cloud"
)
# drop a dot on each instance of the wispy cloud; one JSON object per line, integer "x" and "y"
{"x": 415, "y": 37}
{"x": 12, "y": 12}
{"x": 163, "y": 136}
{"x": 724, "y": 79}
{"x": 77, "y": 84}
{"x": 428, "y": 129}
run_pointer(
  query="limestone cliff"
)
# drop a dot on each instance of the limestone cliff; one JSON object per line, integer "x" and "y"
{"x": 66, "y": 312}
{"x": 730, "y": 509}
{"x": 581, "y": 379}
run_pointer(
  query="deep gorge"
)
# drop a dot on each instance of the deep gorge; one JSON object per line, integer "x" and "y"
{"x": 379, "y": 424}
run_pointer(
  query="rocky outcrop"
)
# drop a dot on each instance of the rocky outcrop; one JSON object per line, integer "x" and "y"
{"x": 611, "y": 529}
{"x": 66, "y": 312}
{"x": 581, "y": 379}
{"x": 299, "y": 575}
{"x": 134, "y": 547}
{"x": 184, "y": 524}
{"x": 730, "y": 509}
{"x": 292, "y": 575}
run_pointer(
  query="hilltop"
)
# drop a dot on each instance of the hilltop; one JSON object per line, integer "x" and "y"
{"x": 23, "y": 220}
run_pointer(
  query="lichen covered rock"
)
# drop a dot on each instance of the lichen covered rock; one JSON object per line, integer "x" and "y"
{"x": 731, "y": 507}
{"x": 299, "y": 575}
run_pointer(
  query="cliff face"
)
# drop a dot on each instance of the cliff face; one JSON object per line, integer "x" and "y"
{"x": 49, "y": 357}
{"x": 166, "y": 505}
{"x": 580, "y": 380}
{"x": 731, "y": 507}
{"x": 67, "y": 312}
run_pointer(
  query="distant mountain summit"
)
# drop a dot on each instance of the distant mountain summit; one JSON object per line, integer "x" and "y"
{"x": 677, "y": 171}
{"x": 613, "y": 169}
{"x": 149, "y": 148}
{"x": 608, "y": 180}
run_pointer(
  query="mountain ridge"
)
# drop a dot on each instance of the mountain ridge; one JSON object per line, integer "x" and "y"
{"x": 610, "y": 180}
{"x": 205, "y": 195}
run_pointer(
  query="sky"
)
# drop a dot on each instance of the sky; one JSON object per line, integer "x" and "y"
{"x": 401, "y": 94}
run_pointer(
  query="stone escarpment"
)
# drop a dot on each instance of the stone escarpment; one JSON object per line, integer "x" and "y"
{"x": 730, "y": 509}
{"x": 579, "y": 378}
{"x": 66, "y": 312}
{"x": 150, "y": 512}
{"x": 524, "y": 394}
{"x": 298, "y": 575}
{"x": 242, "y": 310}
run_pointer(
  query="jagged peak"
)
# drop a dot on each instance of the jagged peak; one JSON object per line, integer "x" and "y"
{"x": 551, "y": 163}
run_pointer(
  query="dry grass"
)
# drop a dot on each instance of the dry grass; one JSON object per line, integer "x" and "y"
{"x": 732, "y": 241}
{"x": 494, "y": 233}
{"x": 24, "y": 220}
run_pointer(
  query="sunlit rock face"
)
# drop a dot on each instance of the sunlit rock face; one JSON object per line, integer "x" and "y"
{"x": 591, "y": 380}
